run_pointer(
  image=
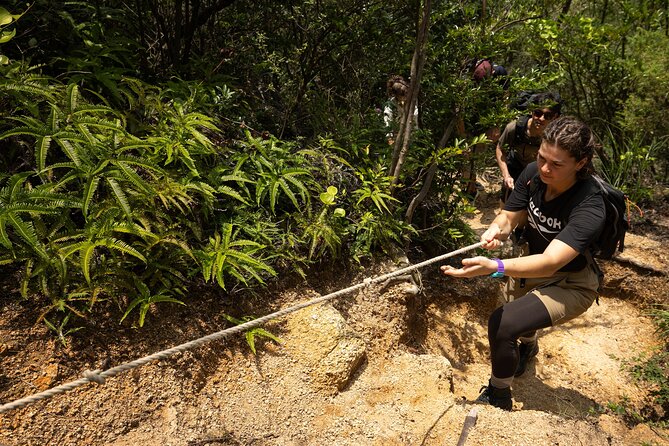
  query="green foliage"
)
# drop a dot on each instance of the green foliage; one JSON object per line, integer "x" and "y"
{"x": 373, "y": 232}
{"x": 179, "y": 137}
{"x": 375, "y": 187}
{"x": 643, "y": 115}
{"x": 623, "y": 409}
{"x": 277, "y": 173}
{"x": 653, "y": 368}
{"x": 6, "y": 19}
{"x": 227, "y": 255}
{"x": 327, "y": 230}
{"x": 113, "y": 181}
{"x": 145, "y": 298}
{"x": 661, "y": 316}
{"x": 251, "y": 334}
{"x": 60, "y": 329}
{"x": 629, "y": 163}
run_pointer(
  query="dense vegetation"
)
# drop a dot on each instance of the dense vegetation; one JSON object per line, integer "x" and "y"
{"x": 149, "y": 145}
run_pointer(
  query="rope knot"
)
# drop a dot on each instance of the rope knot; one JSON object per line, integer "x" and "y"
{"x": 94, "y": 376}
{"x": 367, "y": 282}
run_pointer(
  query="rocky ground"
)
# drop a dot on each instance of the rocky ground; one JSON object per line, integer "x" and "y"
{"x": 379, "y": 367}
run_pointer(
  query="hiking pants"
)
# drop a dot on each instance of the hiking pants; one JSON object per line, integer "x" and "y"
{"x": 532, "y": 304}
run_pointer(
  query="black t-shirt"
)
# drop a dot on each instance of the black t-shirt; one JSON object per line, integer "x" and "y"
{"x": 575, "y": 217}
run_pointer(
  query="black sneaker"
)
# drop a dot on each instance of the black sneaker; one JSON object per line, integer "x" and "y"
{"x": 526, "y": 353}
{"x": 496, "y": 397}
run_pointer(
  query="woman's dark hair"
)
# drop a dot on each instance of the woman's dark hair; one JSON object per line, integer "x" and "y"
{"x": 574, "y": 136}
{"x": 397, "y": 87}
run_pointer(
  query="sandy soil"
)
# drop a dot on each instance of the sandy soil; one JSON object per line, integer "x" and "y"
{"x": 425, "y": 360}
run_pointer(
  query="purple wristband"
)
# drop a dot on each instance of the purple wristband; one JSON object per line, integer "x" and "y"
{"x": 500, "y": 269}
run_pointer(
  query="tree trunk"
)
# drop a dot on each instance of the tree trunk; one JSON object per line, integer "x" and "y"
{"x": 179, "y": 23}
{"x": 431, "y": 172}
{"x": 404, "y": 135}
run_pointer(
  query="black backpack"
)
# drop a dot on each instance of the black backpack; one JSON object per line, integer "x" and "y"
{"x": 522, "y": 100}
{"x": 616, "y": 223}
{"x": 526, "y": 99}
{"x": 612, "y": 238}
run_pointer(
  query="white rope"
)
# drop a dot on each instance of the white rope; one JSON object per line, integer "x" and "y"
{"x": 99, "y": 377}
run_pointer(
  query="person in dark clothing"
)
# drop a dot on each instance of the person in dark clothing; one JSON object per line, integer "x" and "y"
{"x": 485, "y": 68}
{"x": 519, "y": 142}
{"x": 481, "y": 69}
{"x": 397, "y": 89}
{"x": 564, "y": 213}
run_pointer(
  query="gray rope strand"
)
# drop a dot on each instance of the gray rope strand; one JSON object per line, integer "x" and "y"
{"x": 100, "y": 377}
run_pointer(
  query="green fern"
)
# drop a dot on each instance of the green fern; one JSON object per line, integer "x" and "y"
{"x": 179, "y": 137}
{"x": 276, "y": 172}
{"x": 251, "y": 334}
{"x": 374, "y": 232}
{"x": 145, "y": 298}
{"x": 373, "y": 190}
{"x": 19, "y": 200}
{"x": 325, "y": 232}
{"x": 60, "y": 328}
{"x": 226, "y": 255}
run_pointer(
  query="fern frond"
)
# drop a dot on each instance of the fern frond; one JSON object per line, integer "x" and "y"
{"x": 138, "y": 144}
{"x": 4, "y": 238}
{"x": 236, "y": 177}
{"x": 86, "y": 109}
{"x": 69, "y": 150}
{"x": 89, "y": 191}
{"x": 41, "y": 149}
{"x": 31, "y": 88}
{"x": 53, "y": 118}
{"x": 120, "y": 196}
{"x": 273, "y": 189}
{"x": 26, "y": 131}
{"x": 286, "y": 190}
{"x": 88, "y": 135}
{"x": 139, "y": 162}
{"x": 230, "y": 192}
{"x": 72, "y": 98}
{"x": 180, "y": 243}
{"x": 135, "y": 229}
{"x": 101, "y": 123}
{"x": 15, "y": 184}
{"x": 85, "y": 259}
{"x": 27, "y": 232}
{"x": 135, "y": 179}
{"x": 121, "y": 246}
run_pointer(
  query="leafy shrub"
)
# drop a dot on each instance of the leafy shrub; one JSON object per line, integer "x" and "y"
{"x": 628, "y": 163}
{"x": 654, "y": 368}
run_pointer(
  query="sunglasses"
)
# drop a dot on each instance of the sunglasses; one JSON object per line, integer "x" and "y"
{"x": 546, "y": 114}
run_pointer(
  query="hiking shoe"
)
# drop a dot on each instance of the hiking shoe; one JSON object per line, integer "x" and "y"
{"x": 496, "y": 397}
{"x": 526, "y": 353}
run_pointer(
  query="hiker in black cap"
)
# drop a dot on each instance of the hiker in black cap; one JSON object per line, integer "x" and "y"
{"x": 519, "y": 143}
{"x": 562, "y": 205}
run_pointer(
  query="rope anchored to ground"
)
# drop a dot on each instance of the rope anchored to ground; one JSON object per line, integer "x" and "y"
{"x": 99, "y": 376}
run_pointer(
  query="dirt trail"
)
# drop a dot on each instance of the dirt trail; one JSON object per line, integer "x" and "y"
{"x": 426, "y": 358}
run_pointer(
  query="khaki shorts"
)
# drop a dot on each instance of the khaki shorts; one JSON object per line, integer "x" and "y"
{"x": 565, "y": 295}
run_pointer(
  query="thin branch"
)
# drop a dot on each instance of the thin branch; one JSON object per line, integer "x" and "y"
{"x": 515, "y": 22}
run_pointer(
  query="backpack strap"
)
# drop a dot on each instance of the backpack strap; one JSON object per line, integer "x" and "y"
{"x": 600, "y": 275}
{"x": 521, "y": 129}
